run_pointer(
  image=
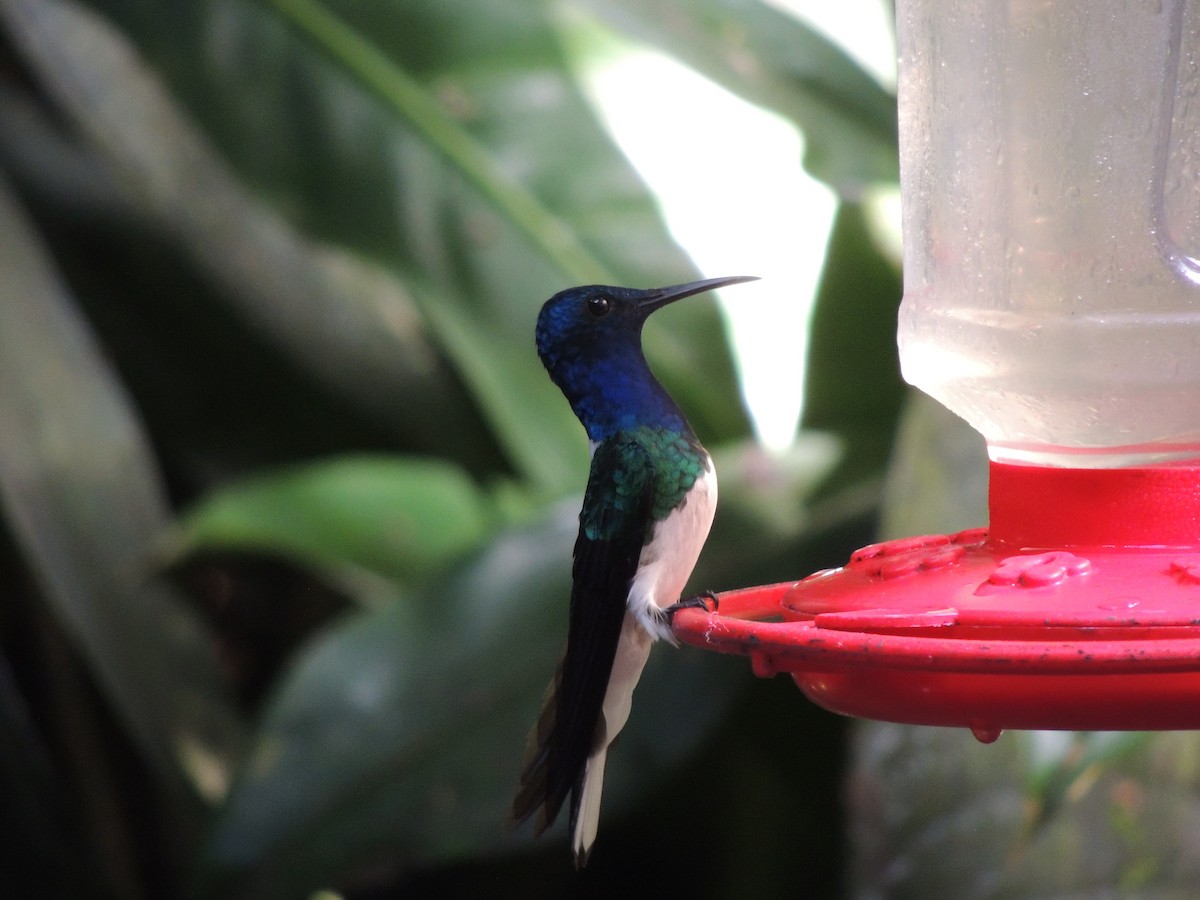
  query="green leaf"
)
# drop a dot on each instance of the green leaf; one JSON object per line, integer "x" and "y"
{"x": 770, "y": 58}
{"x": 400, "y": 519}
{"x": 853, "y": 384}
{"x": 1070, "y": 761}
{"x": 82, "y": 495}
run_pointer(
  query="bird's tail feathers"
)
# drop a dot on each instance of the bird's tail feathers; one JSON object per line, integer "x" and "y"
{"x": 585, "y": 807}
{"x": 535, "y": 792}
{"x": 548, "y": 779}
{"x": 538, "y": 793}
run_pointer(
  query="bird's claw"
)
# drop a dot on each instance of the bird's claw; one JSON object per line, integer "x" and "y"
{"x": 700, "y": 601}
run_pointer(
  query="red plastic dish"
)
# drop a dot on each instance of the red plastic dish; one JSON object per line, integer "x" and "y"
{"x": 1080, "y": 609}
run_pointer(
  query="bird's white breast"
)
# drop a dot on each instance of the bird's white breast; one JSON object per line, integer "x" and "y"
{"x": 668, "y": 559}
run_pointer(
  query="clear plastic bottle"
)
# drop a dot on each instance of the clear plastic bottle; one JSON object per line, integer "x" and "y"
{"x": 1050, "y": 174}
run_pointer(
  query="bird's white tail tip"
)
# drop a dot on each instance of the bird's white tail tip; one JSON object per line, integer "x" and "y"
{"x": 587, "y": 822}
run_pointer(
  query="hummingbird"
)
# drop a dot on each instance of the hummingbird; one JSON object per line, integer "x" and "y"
{"x": 649, "y": 503}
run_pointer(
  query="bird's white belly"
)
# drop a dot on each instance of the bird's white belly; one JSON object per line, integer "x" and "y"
{"x": 668, "y": 559}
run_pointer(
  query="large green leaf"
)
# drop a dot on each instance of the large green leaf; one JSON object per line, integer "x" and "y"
{"x": 82, "y": 495}
{"x": 477, "y": 177}
{"x": 774, "y": 60}
{"x": 399, "y": 519}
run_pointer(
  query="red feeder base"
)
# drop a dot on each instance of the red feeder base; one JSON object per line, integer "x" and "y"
{"x": 1080, "y": 610}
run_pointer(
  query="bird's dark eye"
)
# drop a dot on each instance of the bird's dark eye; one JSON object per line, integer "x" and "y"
{"x": 598, "y": 306}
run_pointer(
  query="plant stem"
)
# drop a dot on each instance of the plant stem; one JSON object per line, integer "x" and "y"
{"x": 403, "y": 94}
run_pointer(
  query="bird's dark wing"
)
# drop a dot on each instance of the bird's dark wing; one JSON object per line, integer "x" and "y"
{"x": 612, "y": 530}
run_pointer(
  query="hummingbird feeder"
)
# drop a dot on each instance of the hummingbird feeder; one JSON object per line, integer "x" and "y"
{"x": 1050, "y": 179}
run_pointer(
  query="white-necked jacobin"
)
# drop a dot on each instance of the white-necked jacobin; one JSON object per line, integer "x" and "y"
{"x": 649, "y": 503}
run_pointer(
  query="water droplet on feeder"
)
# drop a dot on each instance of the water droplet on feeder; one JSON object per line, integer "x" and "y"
{"x": 986, "y": 734}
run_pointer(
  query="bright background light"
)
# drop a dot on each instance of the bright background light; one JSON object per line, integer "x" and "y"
{"x": 735, "y": 197}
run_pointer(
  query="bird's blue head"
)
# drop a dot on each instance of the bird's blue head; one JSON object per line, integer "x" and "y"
{"x": 590, "y": 341}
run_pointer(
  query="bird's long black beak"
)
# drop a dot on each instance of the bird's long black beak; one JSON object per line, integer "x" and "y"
{"x": 659, "y": 297}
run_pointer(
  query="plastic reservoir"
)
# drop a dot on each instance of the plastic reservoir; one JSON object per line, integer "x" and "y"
{"x": 1050, "y": 165}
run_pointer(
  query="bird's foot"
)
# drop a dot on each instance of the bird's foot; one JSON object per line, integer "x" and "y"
{"x": 700, "y": 601}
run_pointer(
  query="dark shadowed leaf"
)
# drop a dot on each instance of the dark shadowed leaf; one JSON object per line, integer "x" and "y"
{"x": 41, "y": 847}
{"x": 82, "y": 495}
{"x": 853, "y": 387}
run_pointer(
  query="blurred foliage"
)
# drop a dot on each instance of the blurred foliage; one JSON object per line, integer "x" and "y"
{"x": 288, "y": 502}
